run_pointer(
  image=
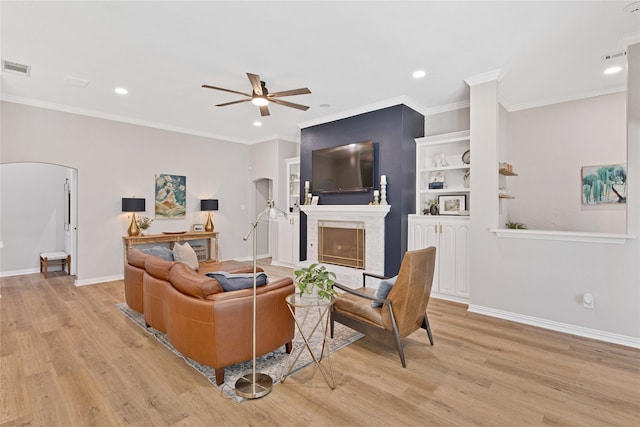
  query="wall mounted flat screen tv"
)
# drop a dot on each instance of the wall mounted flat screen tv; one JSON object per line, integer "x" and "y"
{"x": 343, "y": 169}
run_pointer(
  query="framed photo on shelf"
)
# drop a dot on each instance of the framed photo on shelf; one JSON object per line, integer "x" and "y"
{"x": 197, "y": 227}
{"x": 452, "y": 204}
{"x": 314, "y": 200}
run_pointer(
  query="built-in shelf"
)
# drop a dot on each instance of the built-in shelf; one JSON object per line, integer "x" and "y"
{"x": 505, "y": 196}
{"x": 507, "y": 172}
{"x": 441, "y": 158}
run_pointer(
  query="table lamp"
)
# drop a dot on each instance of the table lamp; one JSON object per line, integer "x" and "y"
{"x": 133, "y": 205}
{"x": 209, "y": 205}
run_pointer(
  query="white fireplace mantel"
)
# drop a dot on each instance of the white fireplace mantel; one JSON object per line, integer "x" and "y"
{"x": 341, "y": 210}
{"x": 373, "y": 218}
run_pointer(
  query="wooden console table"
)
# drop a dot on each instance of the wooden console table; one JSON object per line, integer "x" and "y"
{"x": 172, "y": 238}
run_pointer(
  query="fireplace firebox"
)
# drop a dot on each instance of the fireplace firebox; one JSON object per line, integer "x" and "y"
{"x": 342, "y": 243}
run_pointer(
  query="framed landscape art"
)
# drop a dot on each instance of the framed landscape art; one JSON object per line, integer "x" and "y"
{"x": 604, "y": 184}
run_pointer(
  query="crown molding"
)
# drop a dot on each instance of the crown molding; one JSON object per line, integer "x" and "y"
{"x": 275, "y": 137}
{"x": 489, "y": 76}
{"x": 114, "y": 117}
{"x": 448, "y": 107}
{"x": 365, "y": 109}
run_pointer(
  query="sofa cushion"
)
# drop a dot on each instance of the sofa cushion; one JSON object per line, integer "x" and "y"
{"x": 158, "y": 267}
{"x": 136, "y": 257}
{"x": 186, "y": 254}
{"x": 187, "y": 281}
{"x": 237, "y": 281}
{"x": 160, "y": 251}
{"x": 383, "y": 290}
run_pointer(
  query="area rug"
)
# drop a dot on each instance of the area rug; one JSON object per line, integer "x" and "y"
{"x": 271, "y": 364}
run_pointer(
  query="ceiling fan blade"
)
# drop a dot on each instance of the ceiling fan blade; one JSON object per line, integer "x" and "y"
{"x": 226, "y": 90}
{"x": 264, "y": 111}
{"x": 255, "y": 83}
{"x": 291, "y": 92}
{"x": 289, "y": 104}
{"x": 233, "y": 102}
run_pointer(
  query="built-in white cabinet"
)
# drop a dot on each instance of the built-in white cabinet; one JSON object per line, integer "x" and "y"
{"x": 293, "y": 184}
{"x": 450, "y": 236}
{"x": 289, "y": 228}
{"x": 443, "y": 160}
{"x": 288, "y": 241}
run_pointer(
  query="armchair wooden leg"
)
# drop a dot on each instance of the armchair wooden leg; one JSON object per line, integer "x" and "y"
{"x": 425, "y": 325}
{"x": 288, "y": 347}
{"x": 396, "y": 335}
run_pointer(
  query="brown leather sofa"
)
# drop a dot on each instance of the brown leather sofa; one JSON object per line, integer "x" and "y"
{"x": 202, "y": 321}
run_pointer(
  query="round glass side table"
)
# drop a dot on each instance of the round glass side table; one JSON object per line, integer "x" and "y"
{"x": 313, "y": 322}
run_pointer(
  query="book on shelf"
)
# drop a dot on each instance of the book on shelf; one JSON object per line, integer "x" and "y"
{"x": 437, "y": 185}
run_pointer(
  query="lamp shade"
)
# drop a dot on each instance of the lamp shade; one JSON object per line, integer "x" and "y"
{"x": 209, "y": 204}
{"x": 132, "y": 204}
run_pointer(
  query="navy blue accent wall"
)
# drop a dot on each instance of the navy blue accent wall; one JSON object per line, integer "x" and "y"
{"x": 393, "y": 131}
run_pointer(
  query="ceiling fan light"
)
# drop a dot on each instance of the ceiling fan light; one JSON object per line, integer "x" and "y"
{"x": 260, "y": 101}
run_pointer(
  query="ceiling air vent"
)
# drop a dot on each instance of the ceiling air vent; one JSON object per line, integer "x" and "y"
{"x": 14, "y": 67}
{"x": 614, "y": 55}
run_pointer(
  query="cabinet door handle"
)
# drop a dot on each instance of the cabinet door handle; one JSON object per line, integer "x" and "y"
{"x": 440, "y": 228}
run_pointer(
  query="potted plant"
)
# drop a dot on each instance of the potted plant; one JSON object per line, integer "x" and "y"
{"x": 516, "y": 225}
{"x": 144, "y": 223}
{"x": 315, "y": 281}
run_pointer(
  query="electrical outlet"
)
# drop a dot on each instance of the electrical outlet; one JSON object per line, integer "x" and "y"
{"x": 587, "y": 300}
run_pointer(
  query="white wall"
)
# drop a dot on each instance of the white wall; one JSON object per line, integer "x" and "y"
{"x": 548, "y": 146}
{"x": 542, "y": 282}
{"x": 31, "y": 213}
{"x": 116, "y": 160}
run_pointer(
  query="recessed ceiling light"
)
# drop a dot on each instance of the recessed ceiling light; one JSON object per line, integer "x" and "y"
{"x": 613, "y": 70}
{"x": 324, "y": 105}
{"x": 257, "y": 124}
{"x": 419, "y": 74}
{"x": 121, "y": 91}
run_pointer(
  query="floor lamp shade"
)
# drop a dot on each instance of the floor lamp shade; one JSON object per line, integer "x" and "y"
{"x": 133, "y": 205}
{"x": 209, "y": 205}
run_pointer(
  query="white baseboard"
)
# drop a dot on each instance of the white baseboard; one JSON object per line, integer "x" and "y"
{"x": 96, "y": 280}
{"x": 558, "y": 326}
{"x": 19, "y": 272}
{"x": 461, "y": 300}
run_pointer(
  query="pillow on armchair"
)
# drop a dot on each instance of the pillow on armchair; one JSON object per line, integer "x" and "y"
{"x": 383, "y": 290}
{"x": 237, "y": 281}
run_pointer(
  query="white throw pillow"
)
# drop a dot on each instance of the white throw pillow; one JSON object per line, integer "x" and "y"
{"x": 186, "y": 254}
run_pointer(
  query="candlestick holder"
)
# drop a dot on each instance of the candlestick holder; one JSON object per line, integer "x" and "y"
{"x": 375, "y": 198}
{"x": 383, "y": 194}
{"x": 307, "y": 199}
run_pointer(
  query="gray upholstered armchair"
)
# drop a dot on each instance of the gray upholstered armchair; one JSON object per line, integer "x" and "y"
{"x": 402, "y": 312}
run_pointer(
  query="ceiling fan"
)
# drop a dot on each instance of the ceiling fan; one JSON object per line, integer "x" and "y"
{"x": 261, "y": 96}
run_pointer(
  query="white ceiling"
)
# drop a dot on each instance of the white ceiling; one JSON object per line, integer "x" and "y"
{"x": 349, "y": 54}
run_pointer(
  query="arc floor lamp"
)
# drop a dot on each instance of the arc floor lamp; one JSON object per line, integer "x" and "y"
{"x": 255, "y": 384}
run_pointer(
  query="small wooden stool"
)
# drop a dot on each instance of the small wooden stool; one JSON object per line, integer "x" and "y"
{"x": 54, "y": 258}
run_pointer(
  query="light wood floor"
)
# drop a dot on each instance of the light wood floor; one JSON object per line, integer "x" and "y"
{"x": 69, "y": 357}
